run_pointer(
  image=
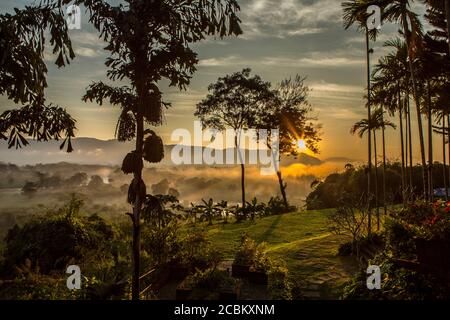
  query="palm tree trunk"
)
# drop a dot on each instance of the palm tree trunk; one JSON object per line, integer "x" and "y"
{"x": 407, "y": 135}
{"x": 417, "y": 101}
{"x": 447, "y": 16}
{"x": 448, "y": 140}
{"x": 410, "y": 146}
{"x": 137, "y": 206}
{"x": 376, "y": 178}
{"x": 410, "y": 168}
{"x": 384, "y": 165}
{"x": 369, "y": 164}
{"x": 402, "y": 145}
{"x": 444, "y": 157}
{"x": 283, "y": 190}
{"x": 430, "y": 145}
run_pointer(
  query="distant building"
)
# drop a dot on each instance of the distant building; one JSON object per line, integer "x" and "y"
{"x": 440, "y": 192}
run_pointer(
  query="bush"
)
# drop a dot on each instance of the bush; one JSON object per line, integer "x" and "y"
{"x": 210, "y": 279}
{"x": 397, "y": 284}
{"x": 276, "y": 206}
{"x": 252, "y": 254}
{"x": 346, "y": 249}
{"x": 402, "y": 277}
{"x": 53, "y": 241}
{"x": 167, "y": 246}
{"x": 279, "y": 287}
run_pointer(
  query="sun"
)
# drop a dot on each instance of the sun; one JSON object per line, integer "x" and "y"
{"x": 301, "y": 145}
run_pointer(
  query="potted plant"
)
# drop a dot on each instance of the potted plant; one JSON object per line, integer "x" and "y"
{"x": 244, "y": 258}
{"x": 251, "y": 262}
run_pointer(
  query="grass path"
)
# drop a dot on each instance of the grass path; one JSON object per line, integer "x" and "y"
{"x": 297, "y": 242}
{"x": 301, "y": 240}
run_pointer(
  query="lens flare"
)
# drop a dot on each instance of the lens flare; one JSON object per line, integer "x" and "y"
{"x": 301, "y": 144}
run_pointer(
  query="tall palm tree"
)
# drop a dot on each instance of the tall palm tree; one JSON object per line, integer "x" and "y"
{"x": 362, "y": 127}
{"x": 444, "y": 6}
{"x": 389, "y": 79}
{"x": 436, "y": 66}
{"x": 355, "y": 12}
{"x": 447, "y": 17}
{"x": 384, "y": 95}
{"x": 399, "y": 11}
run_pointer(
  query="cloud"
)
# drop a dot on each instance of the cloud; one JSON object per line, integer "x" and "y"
{"x": 335, "y": 88}
{"x": 88, "y": 52}
{"x": 313, "y": 61}
{"x": 287, "y": 18}
{"x": 87, "y": 38}
{"x": 222, "y": 62}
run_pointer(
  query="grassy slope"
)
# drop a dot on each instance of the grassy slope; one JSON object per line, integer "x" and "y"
{"x": 301, "y": 240}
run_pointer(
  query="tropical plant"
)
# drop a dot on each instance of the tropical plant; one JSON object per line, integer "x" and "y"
{"x": 208, "y": 210}
{"x": 399, "y": 11}
{"x": 148, "y": 41}
{"x": 356, "y": 12}
{"x": 361, "y": 127}
{"x": 254, "y": 208}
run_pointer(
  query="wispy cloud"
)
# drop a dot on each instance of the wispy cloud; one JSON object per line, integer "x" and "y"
{"x": 88, "y": 52}
{"x": 319, "y": 61}
{"x": 274, "y": 18}
{"x": 221, "y": 62}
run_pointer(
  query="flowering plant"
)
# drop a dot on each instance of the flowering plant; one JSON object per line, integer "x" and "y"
{"x": 427, "y": 220}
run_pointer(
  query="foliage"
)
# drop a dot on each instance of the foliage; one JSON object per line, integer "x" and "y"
{"x": 51, "y": 242}
{"x": 208, "y": 210}
{"x": 160, "y": 210}
{"x": 280, "y": 287}
{"x": 403, "y": 279}
{"x": 328, "y": 193}
{"x": 162, "y": 244}
{"x": 23, "y": 74}
{"x": 233, "y": 102}
{"x": 429, "y": 221}
{"x": 397, "y": 284}
{"x": 167, "y": 246}
{"x": 252, "y": 254}
{"x": 276, "y": 206}
{"x": 211, "y": 279}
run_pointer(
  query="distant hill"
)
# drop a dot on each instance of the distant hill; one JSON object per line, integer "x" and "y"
{"x": 101, "y": 152}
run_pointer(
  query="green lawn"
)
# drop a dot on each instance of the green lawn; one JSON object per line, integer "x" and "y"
{"x": 301, "y": 240}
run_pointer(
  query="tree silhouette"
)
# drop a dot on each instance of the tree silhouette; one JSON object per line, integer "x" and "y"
{"x": 23, "y": 75}
{"x": 290, "y": 113}
{"x": 355, "y": 12}
{"x": 233, "y": 102}
{"x": 361, "y": 127}
{"x": 399, "y": 11}
{"x": 149, "y": 41}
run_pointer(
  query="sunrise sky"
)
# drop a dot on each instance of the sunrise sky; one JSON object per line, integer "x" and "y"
{"x": 281, "y": 38}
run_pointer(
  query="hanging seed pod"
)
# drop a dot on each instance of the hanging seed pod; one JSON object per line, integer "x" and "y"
{"x": 132, "y": 163}
{"x": 136, "y": 188}
{"x": 126, "y": 127}
{"x": 153, "y": 106}
{"x": 153, "y": 148}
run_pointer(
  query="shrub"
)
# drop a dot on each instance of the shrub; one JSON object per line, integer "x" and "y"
{"x": 276, "y": 206}
{"x": 397, "y": 284}
{"x": 51, "y": 242}
{"x": 279, "y": 287}
{"x": 210, "y": 279}
{"x": 252, "y": 254}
